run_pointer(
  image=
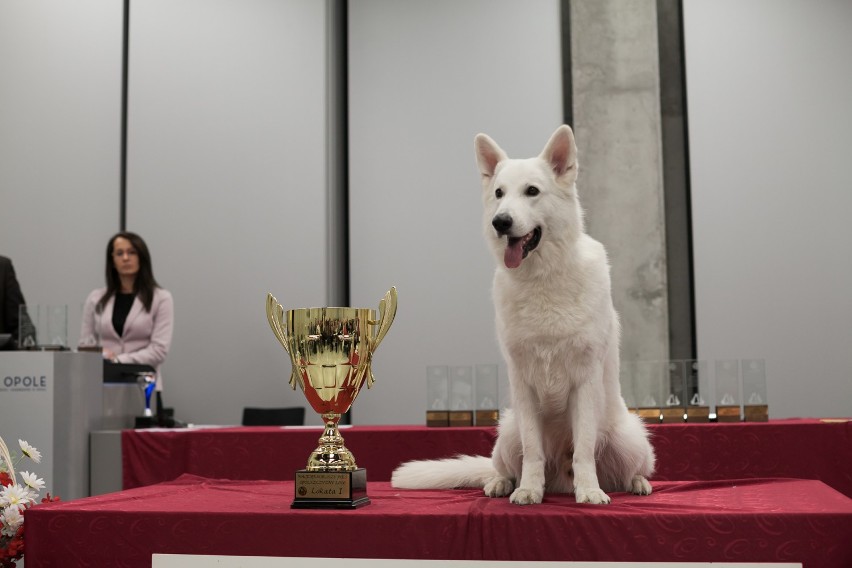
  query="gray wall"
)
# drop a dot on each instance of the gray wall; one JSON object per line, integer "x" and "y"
{"x": 425, "y": 78}
{"x": 770, "y": 133}
{"x": 60, "y": 109}
{"x": 227, "y": 174}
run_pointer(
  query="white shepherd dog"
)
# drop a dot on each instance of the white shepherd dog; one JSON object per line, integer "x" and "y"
{"x": 569, "y": 429}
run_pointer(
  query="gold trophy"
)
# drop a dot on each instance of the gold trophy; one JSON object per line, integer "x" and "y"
{"x": 331, "y": 350}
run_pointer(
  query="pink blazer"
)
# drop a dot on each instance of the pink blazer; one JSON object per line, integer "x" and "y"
{"x": 147, "y": 336}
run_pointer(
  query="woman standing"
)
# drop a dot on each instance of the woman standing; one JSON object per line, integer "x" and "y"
{"x": 132, "y": 318}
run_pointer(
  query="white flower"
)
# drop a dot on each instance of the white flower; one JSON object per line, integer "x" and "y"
{"x": 11, "y": 519}
{"x": 15, "y": 496}
{"x": 32, "y": 481}
{"x": 30, "y": 451}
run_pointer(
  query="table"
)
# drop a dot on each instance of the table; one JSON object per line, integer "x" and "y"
{"x": 803, "y": 449}
{"x": 746, "y": 520}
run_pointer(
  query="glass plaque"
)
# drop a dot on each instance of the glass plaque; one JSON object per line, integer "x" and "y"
{"x": 697, "y": 391}
{"x": 674, "y": 408}
{"x": 27, "y": 331}
{"x": 56, "y": 327}
{"x": 628, "y": 385}
{"x": 461, "y": 395}
{"x": 437, "y": 396}
{"x": 487, "y": 407}
{"x": 727, "y": 391}
{"x": 755, "y": 404}
{"x": 650, "y": 378}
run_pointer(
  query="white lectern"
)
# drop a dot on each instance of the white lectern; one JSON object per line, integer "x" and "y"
{"x": 52, "y": 399}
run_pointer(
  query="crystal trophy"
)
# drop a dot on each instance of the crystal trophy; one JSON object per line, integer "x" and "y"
{"x": 461, "y": 395}
{"x": 697, "y": 391}
{"x": 487, "y": 407}
{"x": 755, "y": 405}
{"x": 437, "y": 396}
{"x": 674, "y": 409}
{"x": 648, "y": 383}
{"x": 727, "y": 391}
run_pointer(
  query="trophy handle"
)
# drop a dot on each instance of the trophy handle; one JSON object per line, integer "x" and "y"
{"x": 387, "y": 311}
{"x": 275, "y": 313}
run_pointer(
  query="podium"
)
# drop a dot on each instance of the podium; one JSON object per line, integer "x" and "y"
{"x": 52, "y": 399}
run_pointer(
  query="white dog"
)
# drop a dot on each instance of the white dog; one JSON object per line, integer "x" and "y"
{"x": 569, "y": 429}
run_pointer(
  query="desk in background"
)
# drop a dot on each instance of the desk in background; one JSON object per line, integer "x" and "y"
{"x": 803, "y": 449}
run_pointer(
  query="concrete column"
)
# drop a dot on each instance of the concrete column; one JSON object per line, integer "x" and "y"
{"x": 616, "y": 94}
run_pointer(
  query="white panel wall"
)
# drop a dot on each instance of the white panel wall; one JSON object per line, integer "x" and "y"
{"x": 60, "y": 109}
{"x": 226, "y": 183}
{"x": 424, "y": 79}
{"x": 770, "y": 133}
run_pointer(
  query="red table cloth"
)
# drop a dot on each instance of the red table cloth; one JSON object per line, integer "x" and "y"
{"x": 749, "y": 520}
{"x": 804, "y": 449}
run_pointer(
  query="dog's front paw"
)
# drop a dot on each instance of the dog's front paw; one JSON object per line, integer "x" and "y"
{"x": 640, "y": 486}
{"x": 522, "y": 496}
{"x": 499, "y": 487}
{"x": 594, "y": 495}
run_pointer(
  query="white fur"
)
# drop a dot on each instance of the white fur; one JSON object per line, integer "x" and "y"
{"x": 569, "y": 429}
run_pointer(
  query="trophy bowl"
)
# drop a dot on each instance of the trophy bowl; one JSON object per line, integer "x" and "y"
{"x": 331, "y": 351}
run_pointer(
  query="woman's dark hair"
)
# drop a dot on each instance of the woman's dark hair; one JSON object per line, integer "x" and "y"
{"x": 144, "y": 285}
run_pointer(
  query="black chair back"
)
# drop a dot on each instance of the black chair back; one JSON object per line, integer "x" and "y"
{"x": 292, "y": 416}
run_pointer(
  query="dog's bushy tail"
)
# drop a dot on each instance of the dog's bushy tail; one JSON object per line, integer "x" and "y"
{"x": 460, "y": 471}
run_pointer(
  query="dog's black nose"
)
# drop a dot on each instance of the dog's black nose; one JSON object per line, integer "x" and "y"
{"x": 502, "y": 223}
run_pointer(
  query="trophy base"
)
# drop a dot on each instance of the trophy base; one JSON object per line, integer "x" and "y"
{"x": 461, "y": 418}
{"x": 698, "y": 414}
{"x": 727, "y": 414}
{"x": 487, "y": 417}
{"x": 672, "y": 415}
{"x": 331, "y": 489}
{"x": 649, "y": 415}
{"x": 756, "y": 413}
{"x": 437, "y": 418}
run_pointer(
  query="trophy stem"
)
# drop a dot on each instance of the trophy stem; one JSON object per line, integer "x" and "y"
{"x": 331, "y": 454}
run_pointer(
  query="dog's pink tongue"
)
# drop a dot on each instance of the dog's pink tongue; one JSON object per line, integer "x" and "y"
{"x": 514, "y": 253}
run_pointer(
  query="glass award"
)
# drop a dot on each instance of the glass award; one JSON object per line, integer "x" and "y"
{"x": 628, "y": 388}
{"x": 674, "y": 407}
{"x": 755, "y": 404}
{"x": 437, "y": 396}
{"x": 727, "y": 391}
{"x": 697, "y": 391}
{"x": 56, "y": 328}
{"x": 461, "y": 395}
{"x": 27, "y": 330}
{"x": 649, "y": 379}
{"x": 487, "y": 406}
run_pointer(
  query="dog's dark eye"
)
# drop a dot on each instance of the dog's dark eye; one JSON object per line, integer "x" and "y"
{"x": 498, "y": 193}
{"x": 532, "y": 191}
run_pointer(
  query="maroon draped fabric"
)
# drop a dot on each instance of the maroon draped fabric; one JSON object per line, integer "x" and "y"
{"x": 746, "y": 520}
{"x": 803, "y": 449}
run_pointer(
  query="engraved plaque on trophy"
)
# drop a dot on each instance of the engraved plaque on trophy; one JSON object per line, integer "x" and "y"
{"x": 727, "y": 391}
{"x": 755, "y": 405}
{"x": 487, "y": 410}
{"x": 698, "y": 391}
{"x": 675, "y": 404}
{"x": 331, "y": 351}
{"x": 461, "y": 395}
{"x": 437, "y": 396}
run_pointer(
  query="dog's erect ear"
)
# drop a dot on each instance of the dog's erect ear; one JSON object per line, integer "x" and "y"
{"x": 488, "y": 154}
{"x": 561, "y": 151}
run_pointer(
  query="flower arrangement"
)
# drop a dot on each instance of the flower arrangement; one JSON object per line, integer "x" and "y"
{"x": 15, "y": 499}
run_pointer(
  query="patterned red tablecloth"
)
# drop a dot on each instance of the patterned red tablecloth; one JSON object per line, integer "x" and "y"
{"x": 803, "y": 449}
{"x": 751, "y": 520}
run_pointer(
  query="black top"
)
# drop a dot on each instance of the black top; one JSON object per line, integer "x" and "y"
{"x": 123, "y": 303}
{"x": 10, "y": 300}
